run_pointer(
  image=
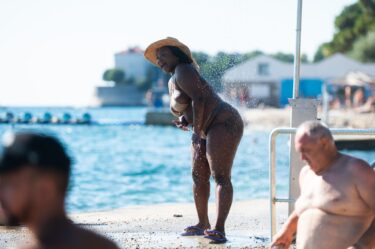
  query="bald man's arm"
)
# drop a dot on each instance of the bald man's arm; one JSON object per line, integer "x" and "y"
{"x": 364, "y": 178}
{"x": 365, "y": 183}
{"x": 367, "y": 241}
{"x": 285, "y": 236}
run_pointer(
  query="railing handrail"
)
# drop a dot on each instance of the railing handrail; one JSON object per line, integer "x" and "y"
{"x": 272, "y": 163}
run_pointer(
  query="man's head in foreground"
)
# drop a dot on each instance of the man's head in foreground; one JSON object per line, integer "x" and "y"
{"x": 34, "y": 176}
{"x": 315, "y": 144}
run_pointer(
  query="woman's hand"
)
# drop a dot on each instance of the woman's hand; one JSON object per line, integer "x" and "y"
{"x": 182, "y": 123}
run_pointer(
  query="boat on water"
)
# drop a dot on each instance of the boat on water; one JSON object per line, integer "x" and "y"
{"x": 46, "y": 118}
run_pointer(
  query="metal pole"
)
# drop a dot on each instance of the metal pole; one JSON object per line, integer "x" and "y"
{"x": 302, "y": 110}
{"x": 325, "y": 98}
{"x": 297, "y": 54}
{"x": 272, "y": 178}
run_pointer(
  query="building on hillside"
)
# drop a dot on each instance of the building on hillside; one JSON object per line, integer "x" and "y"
{"x": 266, "y": 80}
{"x": 133, "y": 63}
{"x": 137, "y": 71}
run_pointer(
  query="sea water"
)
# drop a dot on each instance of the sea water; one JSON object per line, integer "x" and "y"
{"x": 121, "y": 162}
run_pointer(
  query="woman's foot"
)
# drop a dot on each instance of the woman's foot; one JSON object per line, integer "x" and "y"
{"x": 197, "y": 230}
{"x": 215, "y": 236}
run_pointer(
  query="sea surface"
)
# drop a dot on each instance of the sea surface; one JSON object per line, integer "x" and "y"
{"x": 120, "y": 162}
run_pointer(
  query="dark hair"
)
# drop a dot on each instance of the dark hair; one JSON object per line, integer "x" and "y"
{"x": 180, "y": 55}
{"x": 31, "y": 149}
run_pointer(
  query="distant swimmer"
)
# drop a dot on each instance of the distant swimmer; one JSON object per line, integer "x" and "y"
{"x": 34, "y": 176}
{"x": 217, "y": 131}
{"x": 336, "y": 208}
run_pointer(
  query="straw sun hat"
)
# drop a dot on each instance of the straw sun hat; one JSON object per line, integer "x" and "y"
{"x": 150, "y": 52}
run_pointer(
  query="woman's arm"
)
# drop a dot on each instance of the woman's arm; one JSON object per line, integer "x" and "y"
{"x": 189, "y": 81}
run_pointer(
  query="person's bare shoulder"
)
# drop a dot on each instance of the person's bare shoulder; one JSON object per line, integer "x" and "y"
{"x": 186, "y": 74}
{"x": 183, "y": 68}
{"x": 188, "y": 80}
{"x": 359, "y": 168}
{"x": 364, "y": 179}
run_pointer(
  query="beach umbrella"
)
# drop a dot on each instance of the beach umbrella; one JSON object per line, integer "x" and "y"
{"x": 354, "y": 78}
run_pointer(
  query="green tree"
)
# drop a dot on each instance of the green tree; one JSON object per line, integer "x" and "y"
{"x": 250, "y": 55}
{"x": 153, "y": 73}
{"x": 352, "y": 25}
{"x": 349, "y": 25}
{"x": 212, "y": 68}
{"x": 304, "y": 58}
{"x": 201, "y": 57}
{"x": 284, "y": 57}
{"x": 288, "y": 57}
{"x": 364, "y": 48}
{"x": 323, "y": 51}
{"x": 115, "y": 75}
{"x": 369, "y": 6}
{"x": 215, "y": 67}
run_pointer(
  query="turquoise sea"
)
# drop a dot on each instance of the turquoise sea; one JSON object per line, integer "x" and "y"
{"x": 121, "y": 162}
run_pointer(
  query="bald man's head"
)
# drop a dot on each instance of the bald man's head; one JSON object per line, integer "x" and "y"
{"x": 314, "y": 130}
{"x": 315, "y": 144}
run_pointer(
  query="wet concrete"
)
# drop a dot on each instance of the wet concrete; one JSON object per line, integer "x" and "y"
{"x": 158, "y": 226}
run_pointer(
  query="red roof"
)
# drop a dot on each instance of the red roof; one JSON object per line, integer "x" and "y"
{"x": 137, "y": 50}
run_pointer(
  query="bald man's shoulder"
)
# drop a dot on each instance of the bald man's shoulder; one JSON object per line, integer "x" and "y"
{"x": 356, "y": 165}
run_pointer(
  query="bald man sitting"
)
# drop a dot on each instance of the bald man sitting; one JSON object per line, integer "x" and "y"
{"x": 336, "y": 208}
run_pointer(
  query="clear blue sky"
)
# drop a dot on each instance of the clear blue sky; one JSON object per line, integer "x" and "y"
{"x": 54, "y": 52}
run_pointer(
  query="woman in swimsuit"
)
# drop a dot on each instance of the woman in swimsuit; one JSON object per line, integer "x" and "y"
{"x": 217, "y": 131}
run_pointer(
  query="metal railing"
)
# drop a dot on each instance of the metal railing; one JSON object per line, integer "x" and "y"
{"x": 272, "y": 164}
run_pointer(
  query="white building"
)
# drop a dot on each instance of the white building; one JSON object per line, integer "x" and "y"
{"x": 269, "y": 80}
{"x": 135, "y": 66}
{"x": 137, "y": 69}
{"x": 133, "y": 63}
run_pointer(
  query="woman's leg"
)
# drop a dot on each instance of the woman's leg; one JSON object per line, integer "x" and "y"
{"x": 222, "y": 143}
{"x": 201, "y": 183}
